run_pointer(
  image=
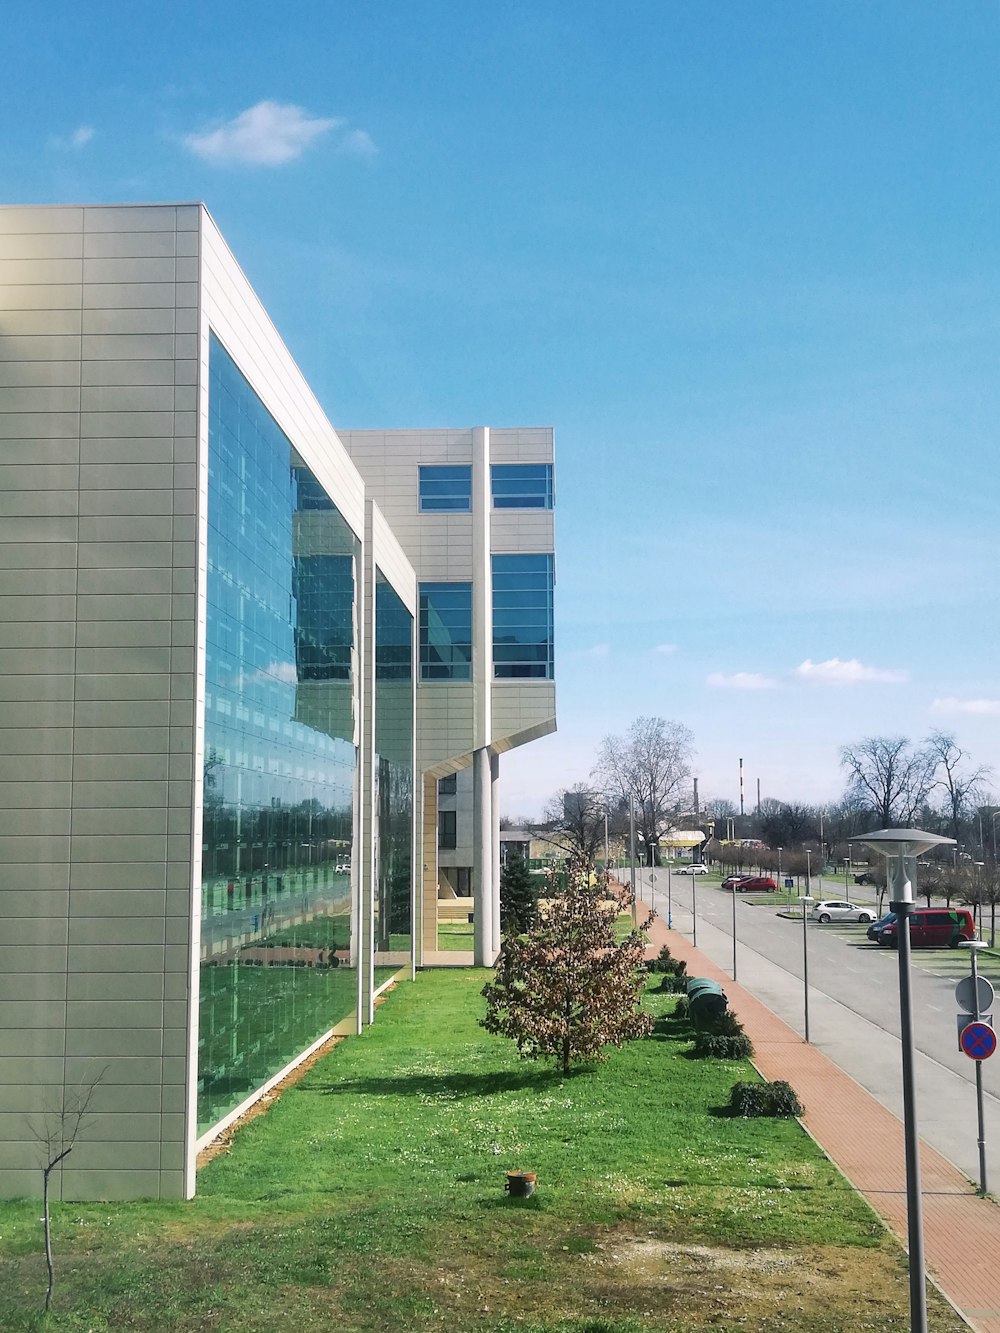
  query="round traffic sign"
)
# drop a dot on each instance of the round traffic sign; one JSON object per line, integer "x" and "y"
{"x": 978, "y": 1041}
{"x": 965, "y": 994}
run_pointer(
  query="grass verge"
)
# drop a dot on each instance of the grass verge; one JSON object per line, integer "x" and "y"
{"x": 371, "y": 1198}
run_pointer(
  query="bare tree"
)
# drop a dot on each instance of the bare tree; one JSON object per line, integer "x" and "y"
{"x": 57, "y": 1137}
{"x": 574, "y": 820}
{"x": 651, "y": 765}
{"x": 958, "y": 784}
{"x": 890, "y": 777}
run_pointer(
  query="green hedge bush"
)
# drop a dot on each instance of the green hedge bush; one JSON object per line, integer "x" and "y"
{"x": 721, "y": 1046}
{"x": 664, "y": 962}
{"x": 764, "y": 1099}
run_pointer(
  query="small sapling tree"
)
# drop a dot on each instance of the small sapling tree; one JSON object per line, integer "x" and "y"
{"x": 57, "y": 1137}
{"x": 568, "y": 988}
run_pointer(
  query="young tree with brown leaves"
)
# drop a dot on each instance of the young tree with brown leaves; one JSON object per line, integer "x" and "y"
{"x": 569, "y": 988}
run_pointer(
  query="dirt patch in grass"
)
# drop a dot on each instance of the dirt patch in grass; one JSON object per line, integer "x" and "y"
{"x": 812, "y": 1288}
{"x": 621, "y": 1281}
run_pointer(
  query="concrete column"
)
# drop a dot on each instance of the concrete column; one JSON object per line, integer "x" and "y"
{"x": 482, "y": 858}
{"x": 495, "y": 805}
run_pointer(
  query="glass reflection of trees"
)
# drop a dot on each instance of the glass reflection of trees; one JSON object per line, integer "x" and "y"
{"x": 393, "y": 772}
{"x": 281, "y": 754}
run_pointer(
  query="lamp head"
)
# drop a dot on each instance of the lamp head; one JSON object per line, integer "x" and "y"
{"x": 902, "y": 841}
{"x": 898, "y": 846}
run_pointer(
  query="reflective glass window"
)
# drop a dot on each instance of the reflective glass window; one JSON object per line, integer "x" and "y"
{"x": 393, "y": 774}
{"x": 448, "y": 786}
{"x": 444, "y": 489}
{"x": 447, "y": 830}
{"x": 446, "y": 631}
{"x": 277, "y": 950}
{"x": 522, "y": 485}
{"x": 522, "y": 617}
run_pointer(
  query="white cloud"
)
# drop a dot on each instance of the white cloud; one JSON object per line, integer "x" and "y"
{"x": 978, "y": 707}
{"x": 665, "y": 649}
{"x": 850, "y": 672}
{"x": 740, "y": 680}
{"x": 358, "y": 143}
{"x": 79, "y": 138}
{"x": 270, "y": 134}
{"x": 598, "y": 650}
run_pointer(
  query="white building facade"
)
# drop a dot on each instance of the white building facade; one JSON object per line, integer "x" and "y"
{"x": 214, "y": 754}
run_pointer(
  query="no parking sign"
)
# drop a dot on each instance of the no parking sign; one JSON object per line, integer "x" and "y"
{"x": 978, "y": 1041}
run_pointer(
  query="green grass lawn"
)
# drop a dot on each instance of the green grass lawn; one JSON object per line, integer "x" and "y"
{"x": 456, "y": 935}
{"x": 370, "y": 1197}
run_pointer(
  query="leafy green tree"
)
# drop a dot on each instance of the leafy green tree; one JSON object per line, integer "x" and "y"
{"x": 568, "y": 987}
{"x": 518, "y": 897}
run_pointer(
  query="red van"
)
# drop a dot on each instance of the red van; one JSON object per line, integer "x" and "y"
{"x": 933, "y": 925}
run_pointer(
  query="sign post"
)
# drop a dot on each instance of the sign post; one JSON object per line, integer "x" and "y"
{"x": 978, "y": 1040}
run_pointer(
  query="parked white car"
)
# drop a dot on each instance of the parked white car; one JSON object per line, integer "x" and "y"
{"x": 695, "y": 868}
{"x": 842, "y": 911}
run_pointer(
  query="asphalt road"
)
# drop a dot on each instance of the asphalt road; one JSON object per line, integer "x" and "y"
{"x": 853, "y": 1003}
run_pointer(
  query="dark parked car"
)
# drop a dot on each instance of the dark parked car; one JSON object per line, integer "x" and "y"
{"x": 732, "y": 880}
{"x": 876, "y": 927}
{"x": 864, "y": 878}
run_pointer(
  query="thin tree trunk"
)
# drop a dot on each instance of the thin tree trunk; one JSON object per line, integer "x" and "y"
{"x": 48, "y": 1223}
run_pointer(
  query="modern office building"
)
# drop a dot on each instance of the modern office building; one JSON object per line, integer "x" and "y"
{"x": 237, "y": 652}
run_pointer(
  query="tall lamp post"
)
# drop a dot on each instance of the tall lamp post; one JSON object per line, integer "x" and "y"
{"x": 807, "y": 901}
{"x": 779, "y": 867}
{"x": 734, "y": 932}
{"x": 631, "y": 858}
{"x": 670, "y": 906}
{"x": 901, "y": 847}
{"x": 808, "y": 871}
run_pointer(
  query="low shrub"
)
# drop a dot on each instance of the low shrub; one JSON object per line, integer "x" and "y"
{"x": 672, "y": 984}
{"x": 664, "y": 962}
{"x": 682, "y": 1007}
{"x": 723, "y": 1046}
{"x": 764, "y": 1099}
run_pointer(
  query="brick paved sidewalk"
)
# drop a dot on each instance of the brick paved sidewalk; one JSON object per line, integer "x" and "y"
{"x": 858, "y": 1134}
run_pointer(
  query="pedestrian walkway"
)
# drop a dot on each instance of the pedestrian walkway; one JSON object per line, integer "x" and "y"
{"x": 863, "y": 1139}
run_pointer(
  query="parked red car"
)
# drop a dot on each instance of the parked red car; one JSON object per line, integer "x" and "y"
{"x": 932, "y": 925}
{"x": 750, "y": 884}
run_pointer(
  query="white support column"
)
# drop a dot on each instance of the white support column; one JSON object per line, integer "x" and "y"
{"x": 485, "y": 884}
{"x": 482, "y": 858}
{"x": 495, "y": 804}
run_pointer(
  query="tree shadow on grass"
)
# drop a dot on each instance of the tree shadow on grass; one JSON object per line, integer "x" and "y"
{"x": 443, "y": 1085}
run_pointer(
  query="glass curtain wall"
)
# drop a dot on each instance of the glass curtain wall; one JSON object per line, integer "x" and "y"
{"x": 393, "y": 776}
{"x": 277, "y": 947}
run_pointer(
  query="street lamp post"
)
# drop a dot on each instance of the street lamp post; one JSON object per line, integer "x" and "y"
{"x": 807, "y": 901}
{"x": 694, "y": 910}
{"x": 901, "y": 847}
{"x": 734, "y": 932}
{"x": 670, "y": 909}
{"x": 779, "y": 867}
{"x": 808, "y": 871}
{"x": 847, "y": 871}
{"x": 631, "y": 858}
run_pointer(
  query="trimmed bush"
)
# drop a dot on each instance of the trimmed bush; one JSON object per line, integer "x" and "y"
{"x": 722, "y": 1046}
{"x": 672, "y": 984}
{"x": 666, "y": 963}
{"x": 764, "y": 1099}
{"x": 682, "y": 1007}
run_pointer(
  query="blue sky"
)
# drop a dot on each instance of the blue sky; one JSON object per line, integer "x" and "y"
{"x": 742, "y": 256}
